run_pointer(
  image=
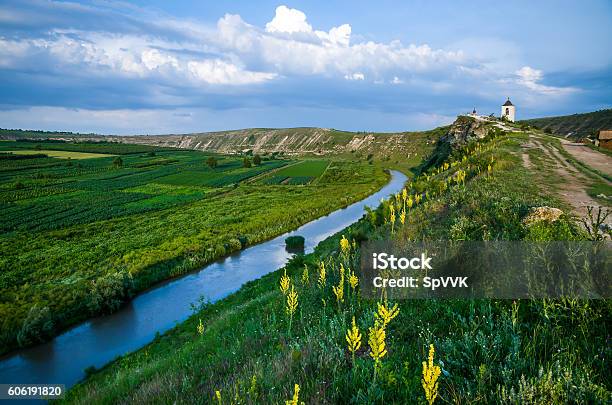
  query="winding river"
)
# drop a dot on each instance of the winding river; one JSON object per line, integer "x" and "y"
{"x": 100, "y": 340}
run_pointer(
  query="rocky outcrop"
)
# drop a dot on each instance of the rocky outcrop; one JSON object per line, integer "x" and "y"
{"x": 466, "y": 129}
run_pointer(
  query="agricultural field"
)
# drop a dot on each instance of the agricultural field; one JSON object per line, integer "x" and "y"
{"x": 305, "y": 333}
{"x": 61, "y": 154}
{"x": 80, "y": 236}
{"x": 299, "y": 173}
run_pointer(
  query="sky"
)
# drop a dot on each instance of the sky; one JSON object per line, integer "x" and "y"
{"x": 158, "y": 66}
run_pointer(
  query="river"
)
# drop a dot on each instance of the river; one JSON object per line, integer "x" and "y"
{"x": 98, "y": 341}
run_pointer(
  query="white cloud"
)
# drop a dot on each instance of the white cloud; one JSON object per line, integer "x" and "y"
{"x": 288, "y": 20}
{"x": 355, "y": 76}
{"x": 220, "y": 72}
{"x": 153, "y": 59}
{"x": 530, "y": 78}
{"x": 397, "y": 80}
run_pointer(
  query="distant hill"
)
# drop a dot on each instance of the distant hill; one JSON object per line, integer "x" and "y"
{"x": 397, "y": 146}
{"x": 575, "y": 126}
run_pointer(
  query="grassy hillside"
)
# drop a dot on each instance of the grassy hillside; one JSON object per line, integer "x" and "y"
{"x": 575, "y": 126}
{"x": 261, "y": 344}
{"x": 400, "y": 150}
{"x": 81, "y": 237}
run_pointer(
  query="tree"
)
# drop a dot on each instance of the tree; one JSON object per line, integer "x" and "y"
{"x": 118, "y": 162}
{"x": 246, "y": 162}
{"x": 257, "y": 160}
{"x": 211, "y": 162}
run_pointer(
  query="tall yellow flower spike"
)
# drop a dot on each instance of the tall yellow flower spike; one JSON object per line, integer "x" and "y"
{"x": 410, "y": 202}
{"x": 387, "y": 314}
{"x": 284, "y": 283}
{"x": 200, "y": 328}
{"x": 305, "y": 278}
{"x": 353, "y": 281}
{"x": 339, "y": 289}
{"x": 292, "y": 301}
{"x": 296, "y": 396}
{"x": 322, "y": 275}
{"x": 345, "y": 246}
{"x": 218, "y": 396}
{"x": 403, "y": 217}
{"x": 353, "y": 339}
{"x": 430, "y": 377}
{"x": 376, "y": 341}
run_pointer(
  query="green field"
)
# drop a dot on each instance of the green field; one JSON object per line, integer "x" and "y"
{"x": 299, "y": 173}
{"x": 62, "y": 154}
{"x": 80, "y": 237}
{"x": 251, "y": 350}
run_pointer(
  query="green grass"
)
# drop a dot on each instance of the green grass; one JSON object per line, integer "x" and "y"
{"x": 61, "y": 154}
{"x": 87, "y": 224}
{"x": 491, "y": 351}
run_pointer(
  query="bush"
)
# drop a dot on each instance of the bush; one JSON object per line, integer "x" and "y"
{"x": 109, "y": 292}
{"x": 118, "y": 162}
{"x": 211, "y": 162}
{"x": 295, "y": 242}
{"x": 257, "y": 160}
{"x": 37, "y": 327}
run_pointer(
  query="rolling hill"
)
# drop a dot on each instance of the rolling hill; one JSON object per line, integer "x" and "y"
{"x": 575, "y": 126}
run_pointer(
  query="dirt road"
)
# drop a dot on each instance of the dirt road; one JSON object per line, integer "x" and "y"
{"x": 572, "y": 183}
{"x": 588, "y": 156}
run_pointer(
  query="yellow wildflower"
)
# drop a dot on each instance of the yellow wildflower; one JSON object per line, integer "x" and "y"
{"x": 430, "y": 377}
{"x": 376, "y": 341}
{"x": 218, "y": 396}
{"x": 305, "y": 277}
{"x": 292, "y": 301}
{"x": 387, "y": 314}
{"x": 403, "y": 217}
{"x": 322, "y": 275}
{"x": 296, "y": 396}
{"x": 345, "y": 246}
{"x": 200, "y": 328}
{"x": 353, "y": 280}
{"x": 410, "y": 202}
{"x": 284, "y": 283}
{"x": 353, "y": 339}
{"x": 339, "y": 290}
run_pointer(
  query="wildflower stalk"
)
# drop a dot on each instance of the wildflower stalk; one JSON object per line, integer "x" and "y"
{"x": 353, "y": 339}
{"x": 376, "y": 341}
{"x": 292, "y": 304}
{"x": 430, "y": 377}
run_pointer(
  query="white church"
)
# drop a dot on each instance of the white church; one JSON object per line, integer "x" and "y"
{"x": 508, "y": 110}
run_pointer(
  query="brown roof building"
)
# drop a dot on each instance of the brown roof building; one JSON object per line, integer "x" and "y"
{"x": 605, "y": 139}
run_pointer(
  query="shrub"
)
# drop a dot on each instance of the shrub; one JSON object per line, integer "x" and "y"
{"x": 109, "y": 292}
{"x": 295, "y": 242}
{"x": 37, "y": 326}
{"x": 256, "y": 160}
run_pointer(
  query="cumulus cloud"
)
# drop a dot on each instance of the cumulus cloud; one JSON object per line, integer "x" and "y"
{"x": 288, "y": 20}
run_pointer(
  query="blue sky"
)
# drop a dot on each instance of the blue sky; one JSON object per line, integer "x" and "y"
{"x": 150, "y": 67}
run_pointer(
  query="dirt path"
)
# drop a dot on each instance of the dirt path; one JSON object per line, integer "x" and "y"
{"x": 572, "y": 183}
{"x": 588, "y": 156}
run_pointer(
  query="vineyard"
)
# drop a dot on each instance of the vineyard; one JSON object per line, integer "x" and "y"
{"x": 81, "y": 236}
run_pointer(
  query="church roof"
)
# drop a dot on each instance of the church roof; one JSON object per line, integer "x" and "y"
{"x": 507, "y": 103}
